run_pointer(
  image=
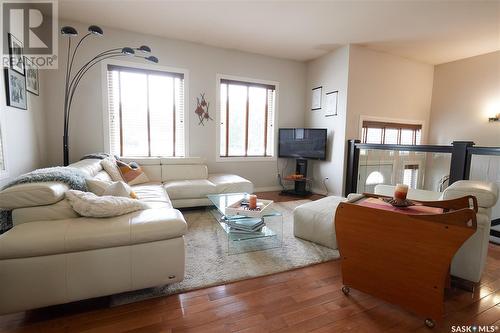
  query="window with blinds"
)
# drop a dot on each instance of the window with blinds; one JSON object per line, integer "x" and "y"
{"x": 410, "y": 175}
{"x": 391, "y": 133}
{"x": 247, "y": 113}
{"x": 146, "y": 112}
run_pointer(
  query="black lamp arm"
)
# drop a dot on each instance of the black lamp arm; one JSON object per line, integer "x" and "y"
{"x": 75, "y": 51}
{"x": 89, "y": 63}
{"x": 77, "y": 79}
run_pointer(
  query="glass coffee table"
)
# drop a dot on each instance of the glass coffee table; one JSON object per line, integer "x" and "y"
{"x": 270, "y": 236}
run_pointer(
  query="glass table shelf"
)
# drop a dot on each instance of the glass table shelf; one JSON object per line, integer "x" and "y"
{"x": 270, "y": 236}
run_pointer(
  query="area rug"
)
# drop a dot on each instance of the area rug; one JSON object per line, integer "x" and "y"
{"x": 208, "y": 264}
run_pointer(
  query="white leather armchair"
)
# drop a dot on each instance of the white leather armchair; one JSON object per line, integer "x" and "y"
{"x": 470, "y": 259}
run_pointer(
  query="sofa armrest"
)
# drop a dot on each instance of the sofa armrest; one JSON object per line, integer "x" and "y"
{"x": 415, "y": 194}
{"x": 485, "y": 192}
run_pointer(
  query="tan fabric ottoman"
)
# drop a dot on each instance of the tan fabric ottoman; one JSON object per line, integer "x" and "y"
{"x": 314, "y": 222}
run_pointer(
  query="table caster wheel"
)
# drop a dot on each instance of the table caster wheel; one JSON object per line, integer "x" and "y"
{"x": 346, "y": 290}
{"x": 430, "y": 323}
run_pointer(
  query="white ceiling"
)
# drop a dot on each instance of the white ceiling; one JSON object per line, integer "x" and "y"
{"x": 428, "y": 31}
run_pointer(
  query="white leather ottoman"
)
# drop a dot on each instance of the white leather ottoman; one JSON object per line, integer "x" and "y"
{"x": 314, "y": 222}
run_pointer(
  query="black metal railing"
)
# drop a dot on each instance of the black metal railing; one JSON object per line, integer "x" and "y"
{"x": 460, "y": 165}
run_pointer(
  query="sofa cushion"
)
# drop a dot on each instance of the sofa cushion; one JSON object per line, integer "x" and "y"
{"x": 414, "y": 194}
{"x": 90, "y": 166}
{"x": 485, "y": 192}
{"x": 103, "y": 176}
{"x": 187, "y": 189}
{"x": 58, "y": 211}
{"x": 227, "y": 183}
{"x": 184, "y": 171}
{"x": 82, "y": 234}
{"x": 153, "y": 194}
{"x": 32, "y": 194}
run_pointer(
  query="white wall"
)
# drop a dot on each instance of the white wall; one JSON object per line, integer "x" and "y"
{"x": 203, "y": 63}
{"x": 384, "y": 86}
{"x": 330, "y": 72}
{"x": 24, "y": 132}
{"x": 372, "y": 85}
{"x": 464, "y": 91}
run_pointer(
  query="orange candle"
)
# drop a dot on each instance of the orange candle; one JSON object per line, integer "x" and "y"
{"x": 252, "y": 201}
{"x": 401, "y": 191}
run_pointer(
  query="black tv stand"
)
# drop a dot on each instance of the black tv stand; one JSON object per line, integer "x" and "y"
{"x": 300, "y": 187}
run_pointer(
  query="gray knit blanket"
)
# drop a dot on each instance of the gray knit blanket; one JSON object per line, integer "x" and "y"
{"x": 72, "y": 177}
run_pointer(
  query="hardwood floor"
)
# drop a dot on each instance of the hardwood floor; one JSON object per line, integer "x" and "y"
{"x": 276, "y": 196}
{"x": 302, "y": 300}
{"x": 307, "y": 299}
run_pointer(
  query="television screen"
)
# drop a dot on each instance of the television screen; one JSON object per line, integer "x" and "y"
{"x": 308, "y": 143}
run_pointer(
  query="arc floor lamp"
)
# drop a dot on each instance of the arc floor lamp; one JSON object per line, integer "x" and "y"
{"x": 73, "y": 78}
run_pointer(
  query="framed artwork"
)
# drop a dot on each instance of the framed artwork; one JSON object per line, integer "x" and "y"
{"x": 16, "y": 54}
{"x": 15, "y": 85}
{"x": 32, "y": 82}
{"x": 331, "y": 103}
{"x": 316, "y": 98}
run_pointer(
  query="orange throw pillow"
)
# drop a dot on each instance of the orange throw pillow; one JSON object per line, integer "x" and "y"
{"x": 132, "y": 176}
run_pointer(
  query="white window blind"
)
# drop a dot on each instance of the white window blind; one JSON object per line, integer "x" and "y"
{"x": 146, "y": 112}
{"x": 247, "y": 113}
{"x": 391, "y": 133}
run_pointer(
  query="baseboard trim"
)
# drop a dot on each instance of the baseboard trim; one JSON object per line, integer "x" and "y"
{"x": 268, "y": 188}
{"x": 318, "y": 191}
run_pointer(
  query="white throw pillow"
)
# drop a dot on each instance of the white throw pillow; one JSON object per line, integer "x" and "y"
{"x": 91, "y": 205}
{"x": 110, "y": 166}
{"x": 97, "y": 186}
{"x": 116, "y": 189}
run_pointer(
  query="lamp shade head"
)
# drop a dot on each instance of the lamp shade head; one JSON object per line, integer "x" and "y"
{"x": 69, "y": 31}
{"x": 152, "y": 59}
{"x": 95, "y": 30}
{"x": 144, "y": 48}
{"x": 128, "y": 51}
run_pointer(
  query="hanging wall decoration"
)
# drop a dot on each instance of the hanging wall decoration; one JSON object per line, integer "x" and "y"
{"x": 202, "y": 109}
{"x": 331, "y": 103}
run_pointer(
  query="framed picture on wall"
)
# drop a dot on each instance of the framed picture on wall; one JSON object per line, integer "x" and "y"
{"x": 16, "y": 54}
{"x": 15, "y": 85}
{"x": 316, "y": 98}
{"x": 32, "y": 82}
{"x": 331, "y": 103}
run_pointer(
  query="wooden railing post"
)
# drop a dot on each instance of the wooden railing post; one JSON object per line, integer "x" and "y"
{"x": 351, "y": 182}
{"x": 460, "y": 163}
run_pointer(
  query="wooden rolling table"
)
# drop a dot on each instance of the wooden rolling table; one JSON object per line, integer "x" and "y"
{"x": 403, "y": 255}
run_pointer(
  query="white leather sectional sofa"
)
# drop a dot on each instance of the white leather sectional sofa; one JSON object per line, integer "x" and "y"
{"x": 53, "y": 256}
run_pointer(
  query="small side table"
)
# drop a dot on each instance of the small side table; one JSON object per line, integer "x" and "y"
{"x": 301, "y": 186}
{"x": 400, "y": 255}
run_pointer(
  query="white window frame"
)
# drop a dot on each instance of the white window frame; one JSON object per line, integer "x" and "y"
{"x": 104, "y": 89}
{"x": 218, "y": 158}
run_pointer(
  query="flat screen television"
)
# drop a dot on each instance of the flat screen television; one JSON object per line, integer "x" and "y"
{"x": 307, "y": 143}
